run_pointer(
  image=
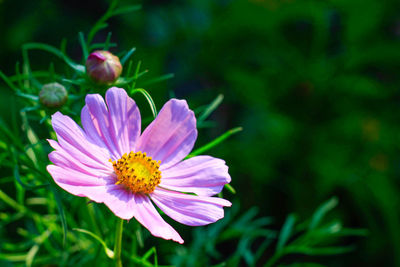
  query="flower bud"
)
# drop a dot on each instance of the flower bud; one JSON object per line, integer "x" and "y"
{"x": 53, "y": 95}
{"x": 103, "y": 67}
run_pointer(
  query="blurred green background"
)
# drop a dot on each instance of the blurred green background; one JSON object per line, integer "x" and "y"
{"x": 314, "y": 84}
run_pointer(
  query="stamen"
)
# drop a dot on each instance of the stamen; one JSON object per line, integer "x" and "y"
{"x": 137, "y": 172}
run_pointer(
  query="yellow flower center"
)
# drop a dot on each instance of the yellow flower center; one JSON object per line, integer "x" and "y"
{"x": 137, "y": 172}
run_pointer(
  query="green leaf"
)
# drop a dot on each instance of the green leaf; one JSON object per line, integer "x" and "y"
{"x": 124, "y": 81}
{"x": 101, "y": 23}
{"x": 158, "y": 79}
{"x": 230, "y": 188}
{"x": 62, "y": 214}
{"x": 321, "y": 212}
{"x": 82, "y": 41}
{"x": 101, "y": 46}
{"x": 24, "y": 185}
{"x": 150, "y": 252}
{"x": 27, "y": 96}
{"x": 320, "y": 251}
{"x": 31, "y": 255}
{"x": 127, "y": 9}
{"x": 8, "y": 81}
{"x": 128, "y": 55}
{"x": 136, "y": 74}
{"x": 286, "y": 231}
{"x": 108, "y": 251}
{"x": 13, "y": 257}
{"x": 39, "y": 46}
{"x": 215, "y": 142}
{"x": 148, "y": 98}
{"x": 211, "y": 107}
{"x": 107, "y": 42}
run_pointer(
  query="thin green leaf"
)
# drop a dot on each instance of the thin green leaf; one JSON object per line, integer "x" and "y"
{"x": 320, "y": 251}
{"x": 321, "y": 211}
{"x": 101, "y": 46}
{"x": 52, "y": 71}
{"x": 100, "y": 24}
{"x": 83, "y": 45}
{"x": 124, "y": 81}
{"x": 150, "y": 252}
{"x": 24, "y": 185}
{"x": 8, "y": 81}
{"x": 13, "y": 257}
{"x": 136, "y": 74}
{"x": 18, "y": 75}
{"x": 148, "y": 98}
{"x": 63, "y": 46}
{"x": 158, "y": 79}
{"x": 211, "y": 107}
{"x": 128, "y": 55}
{"x": 62, "y": 214}
{"x": 12, "y": 203}
{"x": 215, "y": 142}
{"x": 31, "y": 255}
{"x": 230, "y": 188}
{"x": 108, "y": 251}
{"x": 107, "y": 42}
{"x": 27, "y": 96}
{"x": 127, "y": 9}
{"x": 286, "y": 231}
{"x": 75, "y": 82}
{"x": 77, "y": 67}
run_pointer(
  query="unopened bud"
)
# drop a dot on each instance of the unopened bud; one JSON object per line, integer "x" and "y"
{"x": 53, "y": 95}
{"x": 103, "y": 67}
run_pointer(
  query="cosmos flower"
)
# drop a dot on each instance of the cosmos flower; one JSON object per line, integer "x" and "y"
{"x": 111, "y": 162}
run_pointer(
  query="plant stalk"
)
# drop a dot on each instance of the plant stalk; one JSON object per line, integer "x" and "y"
{"x": 118, "y": 243}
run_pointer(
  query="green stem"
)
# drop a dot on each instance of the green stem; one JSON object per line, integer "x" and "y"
{"x": 118, "y": 243}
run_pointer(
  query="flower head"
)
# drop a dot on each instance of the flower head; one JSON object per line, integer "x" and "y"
{"x": 110, "y": 161}
{"x": 53, "y": 95}
{"x": 103, "y": 67}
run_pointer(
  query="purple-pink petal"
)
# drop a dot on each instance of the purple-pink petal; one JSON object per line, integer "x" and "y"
{"x": 189, "y": 209}
{"x": 149, "y": 217}
{"x": 171, "y": 136}
{"x": 124, "y": 117}
{"x": 120, "y": 201}
{"x": 62, "y": 159}
{"x": 76, "y": 144}
{"x": 115, "y": 197}
{"x": 97, "y": 126}
{"x": 69, "y": 176}
{"x": 202, "y": 175}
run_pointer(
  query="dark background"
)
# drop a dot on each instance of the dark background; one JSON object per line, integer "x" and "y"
{"x": 314, "y": 84}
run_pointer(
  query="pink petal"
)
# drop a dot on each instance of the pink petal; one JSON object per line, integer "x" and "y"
{"x": 115, "y": 197}
{"x": 148, "y": 216}
{"x": 67, "y": 176}
{"x": 97, "y": 126}
{"x": 120, "y": 201}
{"x": 202, "y": 175}
{"x": 75, "y": 142}
{"x": 171, "y": 136}
{"x": 62, "y": 159}
{"x": 189, "y": 209}
{"x": 125, "y": 119}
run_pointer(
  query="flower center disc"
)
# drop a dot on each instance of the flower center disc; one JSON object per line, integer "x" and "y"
{"x": 137, "y": 172}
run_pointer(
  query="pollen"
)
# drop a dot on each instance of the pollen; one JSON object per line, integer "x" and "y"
{"x": 137, "y": 172}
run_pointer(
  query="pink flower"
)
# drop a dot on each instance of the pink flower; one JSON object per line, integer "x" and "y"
{"x": 110, "y": 162}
